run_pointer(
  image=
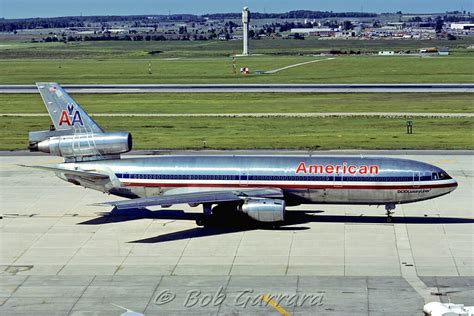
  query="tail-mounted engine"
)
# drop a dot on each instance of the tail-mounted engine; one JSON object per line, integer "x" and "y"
{"x": 78, "y": 147}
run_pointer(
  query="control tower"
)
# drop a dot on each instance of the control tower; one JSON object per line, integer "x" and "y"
{"x": 245, "y": 22}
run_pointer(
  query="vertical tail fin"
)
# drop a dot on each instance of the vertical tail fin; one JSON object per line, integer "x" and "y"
{"x": 66, "y": 114}
{"x": 76, "y": 136}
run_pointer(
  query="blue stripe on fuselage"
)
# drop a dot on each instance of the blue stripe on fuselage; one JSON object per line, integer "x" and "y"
{"x": 347, "y": 178}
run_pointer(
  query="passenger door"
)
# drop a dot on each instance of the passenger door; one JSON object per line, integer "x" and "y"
{"x": 244, "y": 178}
{"x": 338, "y": 179}
{"x": 416, "y": 179}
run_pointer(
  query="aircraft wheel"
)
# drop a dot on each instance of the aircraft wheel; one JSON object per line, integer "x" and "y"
{"x": 205, "y": 221}
{"x": 200, "y": 222}
{"x": 277, "y": 225}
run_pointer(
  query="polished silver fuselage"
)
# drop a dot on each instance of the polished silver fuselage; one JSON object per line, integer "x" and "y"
{"x": 396, "y": 180}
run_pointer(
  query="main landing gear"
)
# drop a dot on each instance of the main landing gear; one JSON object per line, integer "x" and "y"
{"x": 389, "y": 208}
{"x": 203, "y": 220}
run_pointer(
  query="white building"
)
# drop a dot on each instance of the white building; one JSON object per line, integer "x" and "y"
{"x": 461, "y": 26}
{"x": 386, "y": 53}
{"x": 317, "y": 31}
{"x": 396, "y": 25}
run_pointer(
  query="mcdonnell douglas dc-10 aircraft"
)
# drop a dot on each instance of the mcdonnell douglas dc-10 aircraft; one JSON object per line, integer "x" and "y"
{"x": 259, "y": 186}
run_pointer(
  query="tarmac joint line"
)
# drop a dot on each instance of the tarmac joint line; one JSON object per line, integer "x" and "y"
{"x": 407, "y": 264}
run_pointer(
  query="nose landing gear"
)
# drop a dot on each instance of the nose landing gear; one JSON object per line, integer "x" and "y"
{"x": 389, "y": 209}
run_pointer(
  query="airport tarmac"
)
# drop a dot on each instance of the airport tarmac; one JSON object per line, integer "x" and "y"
{"x": 252, "y": 87}
{"x": 62, "y": 255}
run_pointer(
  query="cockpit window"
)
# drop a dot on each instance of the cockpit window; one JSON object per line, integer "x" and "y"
{"x": 440, "y": 176}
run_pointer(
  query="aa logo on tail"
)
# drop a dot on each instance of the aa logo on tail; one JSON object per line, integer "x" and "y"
{"x": 71, "y": 117}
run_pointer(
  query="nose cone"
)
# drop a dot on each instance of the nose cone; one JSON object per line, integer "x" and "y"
{"x": 444, "y": 180}
{"x": 449, "y": 182}
{"x": 454, "y": 185}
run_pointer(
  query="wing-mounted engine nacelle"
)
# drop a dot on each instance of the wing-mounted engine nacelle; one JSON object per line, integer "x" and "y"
{"x": 77, "y": 146}
{"x": 264, "y": 210}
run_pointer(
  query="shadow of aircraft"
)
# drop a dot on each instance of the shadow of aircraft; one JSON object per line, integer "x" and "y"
{"x": 239, "y": 222}
{"x": 116, "y": 216}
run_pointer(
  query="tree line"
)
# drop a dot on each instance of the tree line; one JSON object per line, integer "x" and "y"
{"x": 297, "y": 14}
{"x": 11, "y": 25}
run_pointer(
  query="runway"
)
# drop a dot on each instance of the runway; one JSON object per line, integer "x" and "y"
{"x": 60, "y": 254}
{"x": 337, "y": 88}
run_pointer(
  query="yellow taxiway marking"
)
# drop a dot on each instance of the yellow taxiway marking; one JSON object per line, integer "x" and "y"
{"x": 274, "y": 304}
{"x": 445, "y": 161}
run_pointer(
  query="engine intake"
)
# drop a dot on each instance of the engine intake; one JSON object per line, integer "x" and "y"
{"x": 264, "y": 210}
{"x": 86, "y": 145}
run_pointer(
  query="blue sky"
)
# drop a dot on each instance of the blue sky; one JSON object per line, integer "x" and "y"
{"x": 48, "y": 8}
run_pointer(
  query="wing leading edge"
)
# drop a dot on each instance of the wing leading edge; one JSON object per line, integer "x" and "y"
{"x": 199, "y": 197}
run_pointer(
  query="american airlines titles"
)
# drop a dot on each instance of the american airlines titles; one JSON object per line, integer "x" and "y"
{"x": 330, "y": 169}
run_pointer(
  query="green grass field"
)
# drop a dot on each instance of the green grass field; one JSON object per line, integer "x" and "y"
{"x": 215, "y": 48}
{"x": 210, "y": 62}
{"x": 361, "y": 69}
{"x": 249, "y": 133}
{"x": 187, "y": 103}
{"x": 274, "y": 132}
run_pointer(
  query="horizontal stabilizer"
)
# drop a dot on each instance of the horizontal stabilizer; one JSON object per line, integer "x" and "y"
{"x": 85, "y": 174}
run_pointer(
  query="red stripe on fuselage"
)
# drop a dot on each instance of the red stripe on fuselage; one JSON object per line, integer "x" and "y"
{"x": 291, "y": 186}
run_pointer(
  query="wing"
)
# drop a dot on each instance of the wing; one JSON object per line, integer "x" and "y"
{"x": 199, "y": 197}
